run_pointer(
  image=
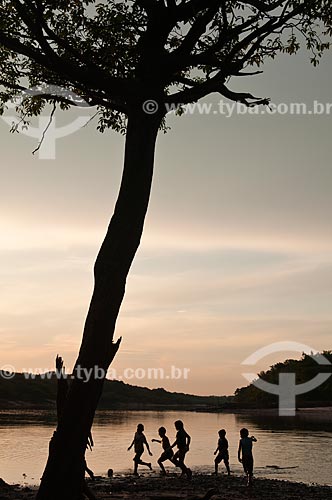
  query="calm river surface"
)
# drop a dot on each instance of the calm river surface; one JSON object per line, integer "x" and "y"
{"x": 301, "y": 450}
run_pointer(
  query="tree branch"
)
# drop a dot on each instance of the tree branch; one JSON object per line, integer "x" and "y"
{"x": 244, "y": 98}
{"x": 46, "y": 129}
{"x": 91, "y": 98}
{"x": 186, "y": 10}
{"x": 198, "y": 29}
{"x": 197, "y": 92}
{"x": 261, "y": 33}
{"x": 263, "y": 6}
{"x": 181, "y": 61}
{"x": 52, "y": 61}
{"x": 230, "y": 65}
{"x": 39, "y": 11}
{"x": 243, "y": 73}
{"x": 278, "y": 23}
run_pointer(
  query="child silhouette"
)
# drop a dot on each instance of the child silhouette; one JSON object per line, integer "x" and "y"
{"x": 245, "y": 454}
{"x": 138, "y": 442}
{"x": 167, "y": 453}
{"x": 182, "y": 442}
{"x": 222, "y": 450}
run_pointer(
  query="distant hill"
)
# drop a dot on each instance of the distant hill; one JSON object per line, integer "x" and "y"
{"x": 40, "y": 392}
{"x": 305, "y": 369}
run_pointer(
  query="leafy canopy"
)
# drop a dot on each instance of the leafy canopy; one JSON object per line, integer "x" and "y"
{"x": 118, "y": 54}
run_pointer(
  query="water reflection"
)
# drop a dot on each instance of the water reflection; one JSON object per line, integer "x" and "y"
{"x": 305, "y": 421}
{"x": 27, "y": 417}
{"x": 282, "y": 449}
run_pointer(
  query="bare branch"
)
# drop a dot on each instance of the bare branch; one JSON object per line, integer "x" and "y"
{"x": 243, "y": 73}
{"x": 245, "y": 98}
{"x": 196, "y": 92}
{"x": 46, "y": 129}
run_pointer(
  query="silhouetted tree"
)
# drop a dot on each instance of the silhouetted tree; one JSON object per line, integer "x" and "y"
{"x": 135, "y": 60}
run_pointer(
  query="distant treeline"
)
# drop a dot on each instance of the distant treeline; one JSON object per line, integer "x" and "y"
{"x": 305, "y": 369}
{"x": 23, "y": 392}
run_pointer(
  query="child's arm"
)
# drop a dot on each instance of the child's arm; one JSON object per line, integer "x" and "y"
{"x": 132, "y": 444}
{"x": 239, "y": 452}
{"x": 188, "y": 441}
{"x": 156, "y": 441}
{"x": 253, "y": 439}
{"x": 147, "y": 446}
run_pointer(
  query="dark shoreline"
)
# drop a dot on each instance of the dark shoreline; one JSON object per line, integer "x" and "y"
{"x": 321, "y": 410}
{"x": 172, "y": 487}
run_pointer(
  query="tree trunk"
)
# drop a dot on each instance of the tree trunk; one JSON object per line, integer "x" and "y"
{"x": 64, "y": 472}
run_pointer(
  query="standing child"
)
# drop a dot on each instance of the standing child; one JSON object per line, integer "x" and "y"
{"x": 167, "y": 453}
{"x": 182, "y": 442}
{"x": 138, "y": 442}
{"x": 245, "y": 454}
{"x": 222, "y": 450}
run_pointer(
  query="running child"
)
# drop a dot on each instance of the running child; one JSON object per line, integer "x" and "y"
{"x": 167, "y": 454}
{"x": 138, "y": 442}
{"x": 182, "y": 442}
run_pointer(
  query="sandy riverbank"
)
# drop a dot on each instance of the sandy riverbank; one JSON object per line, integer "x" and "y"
{"x": 148, "y": 487}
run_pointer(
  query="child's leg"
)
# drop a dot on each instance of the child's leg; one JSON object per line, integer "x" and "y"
{"x": 178, "y": 461}
{"x": 185, "y": 470}
{"x": 182, "y": 466}
{"x": 161, "y": 465}
{"x": 250, "y": 470}
{"x": 175, "y": 459}
{"x": 137, "y": 460}
{"x": 227, "y": 466}
{"x": 147, "y": 464}
{"x": 248, "y": 465}
{"x": 163, "y": 457}
{"x": 216, "y": 463}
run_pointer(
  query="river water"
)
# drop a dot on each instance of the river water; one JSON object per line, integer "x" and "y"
{"x": 288, "y": 448}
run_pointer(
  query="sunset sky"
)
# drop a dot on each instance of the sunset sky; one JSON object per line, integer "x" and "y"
{"x": 236, "y": 252}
